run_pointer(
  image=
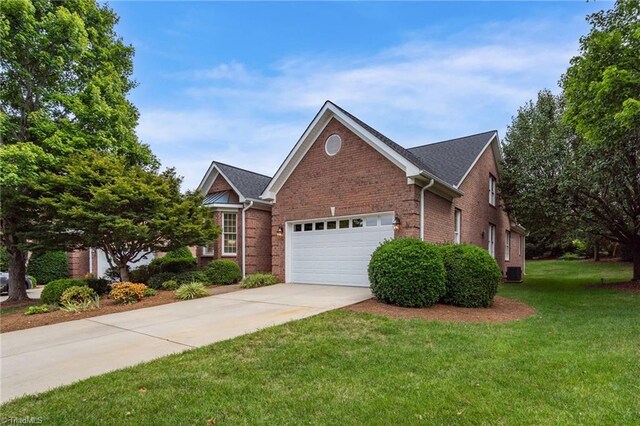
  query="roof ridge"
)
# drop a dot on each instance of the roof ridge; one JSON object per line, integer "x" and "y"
{"x": 452, "y": 139}
{"x": 240, "y": 168}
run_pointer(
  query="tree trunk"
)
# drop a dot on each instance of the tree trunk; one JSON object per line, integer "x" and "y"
{"x": 124, "y": 273}
{"x": 636, "y": 262}
{"x": 596, "y": 251}
{"x": 17, "y": 272}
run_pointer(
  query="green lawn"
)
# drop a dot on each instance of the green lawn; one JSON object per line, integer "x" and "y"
{"x": 577, "y": 361}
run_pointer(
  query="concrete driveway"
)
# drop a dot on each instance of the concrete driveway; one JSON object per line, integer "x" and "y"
{"x": 41, "y": 358}
{"x": 33, "y": 293}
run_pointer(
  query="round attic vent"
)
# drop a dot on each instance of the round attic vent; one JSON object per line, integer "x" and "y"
{"x": 333, "y": 144}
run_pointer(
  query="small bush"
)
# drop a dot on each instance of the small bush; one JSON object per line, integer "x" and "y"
{"x": 570, "y": 256}
{"x": 33, "y": 280}
{"x": 99, "y": 285}
{"x": 48, "y": 266}
{"x": 53, "y": 291}
{"x": 77, "y": 294}
{"x": 180, "y": 253}
{"x": 150, "y": 292}
{"x": 168, "y": 264}
{"x": 39, "y": 309}
{"x": 112, "y": 274}
{"x": 140, "y": 274}
{"x": 187, "y": 277}
{"x": 222, "y": 271}
{"x": 258, "y": 280}
{"x": 407, "y": 272}
{"x": 127, "y": 292}
{"x": 191, "y": 291}
{"x": 170, "y": 285}
{"x": 472, "y": 277}
{"x": 156, "y": 280}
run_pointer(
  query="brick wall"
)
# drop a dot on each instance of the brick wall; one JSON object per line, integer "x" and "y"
{"x": 477, "y": 214}
{"x": 258, "y": 229}
{"x": 78, "y": 261}
{"x": 357, "y": 180}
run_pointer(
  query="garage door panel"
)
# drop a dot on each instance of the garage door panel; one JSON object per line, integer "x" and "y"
{"x": 335, "y": 256}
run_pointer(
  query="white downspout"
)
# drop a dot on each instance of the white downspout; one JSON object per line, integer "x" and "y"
{"x": 244, "y": 239}
{"x": 424, "y": 188}
{"x": 91, "y": 260}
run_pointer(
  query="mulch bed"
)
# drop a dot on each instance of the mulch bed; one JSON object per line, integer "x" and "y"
{"x": 503, "y": 310}
{"x": 18, "y": 321}
{"x": 629, "y": 286}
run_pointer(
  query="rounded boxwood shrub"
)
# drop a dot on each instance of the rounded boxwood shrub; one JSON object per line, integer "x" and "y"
{"x": 472, "y": 276}
{"x": 156, "y": 280}
{"x": 99, "y": 285}
{"x": 48, "y": 266}
{"x": 407, "y": 272}
{"x": 180, "y": 253}
{"x": 222, "y": 271}
{"x": 53, "y": 291}
{"x": 140, "y": 274}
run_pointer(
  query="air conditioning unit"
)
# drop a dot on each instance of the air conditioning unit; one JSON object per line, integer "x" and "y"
{"x": 514, "y": 274}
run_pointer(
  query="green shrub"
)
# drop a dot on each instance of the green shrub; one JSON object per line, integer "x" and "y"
{"x": 258, "y": 280}
{"x": 33, "y": 280}
{"x": 48, "y": 266}
{"x": 570, "y": 256}
{"x": 180, "y": 253}
{"x": 222, "y": 271}
{"x": 150, "y": 292}
{"x": 39, "y": 309}
{"x": 191, "y": 291}
{"x": 170, "y": 285}
{"x": 53, "y": 291}
{"x": 112, "y": 274}
{"x": 472, "y": 276}
{"x": 168, "y": 264}
{"x": 4, "y": 259}
{"x": 156, "y": 280}
{"x": 78, "y": 294}
{"x": 99, "y": 285}
{"x": 140, "y": 274}
{"x": 407, "y": 272}
{"x": 187, "y": 277}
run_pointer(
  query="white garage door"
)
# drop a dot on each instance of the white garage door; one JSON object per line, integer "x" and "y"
{"x": 336, "y": 250}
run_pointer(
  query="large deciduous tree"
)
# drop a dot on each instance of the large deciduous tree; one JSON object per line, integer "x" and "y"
{"x": 127, "y": 211}
{"x": 536, "y": 147}
{"x": 64, "y": 77}
{"x": 602, "y": 92}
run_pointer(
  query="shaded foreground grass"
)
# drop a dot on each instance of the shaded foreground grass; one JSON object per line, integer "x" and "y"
{"x": 575, "y": 361}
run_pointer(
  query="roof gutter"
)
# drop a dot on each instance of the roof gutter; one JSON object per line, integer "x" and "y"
{"x": 448, "y": 187}
{"x": 424, "y": 188}
{"x": 244, "y": 239}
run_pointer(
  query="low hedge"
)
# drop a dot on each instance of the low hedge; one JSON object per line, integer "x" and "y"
{"x": 168, "y": 264}
{"x": 187, "y": 277}
{"x": 472, "y": 276}
{"x": 407, "y": 272}
{"x": 141, "y": 274}
{"x": 222, "y": 271}
{"x": 258, "y": 280}
{"x": 53, "y": 291}
{"x": 48, "y": 266}
{"x": 156, "y": 280}
{"x": 99, "y": 285}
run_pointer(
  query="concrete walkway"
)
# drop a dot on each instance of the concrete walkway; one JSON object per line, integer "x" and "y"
{"x": 33, "y": 293}
{"x": 41, "y": 358}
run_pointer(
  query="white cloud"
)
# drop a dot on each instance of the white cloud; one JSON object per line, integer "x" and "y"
{"x": 416, "y": 92}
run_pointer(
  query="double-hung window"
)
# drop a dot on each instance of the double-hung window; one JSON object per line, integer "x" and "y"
{"x": 229, "y": 234}
{"x": 507, "y": 245}
{"x": 491, "y": 247}
{"x": 492, "y": 190}
{"x": 457, "y": 226}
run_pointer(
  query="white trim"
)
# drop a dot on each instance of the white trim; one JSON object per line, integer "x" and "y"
{"x": 225, "y": 206}
{"x": 209, "y": 178}
{"x": 244, "y": 239}
{"x": 507, "y": 245}
{"x": 491, "y": 240}
{"x": 493, "y": 185}
{"x": 494, "y": 138}
{"x": 320, "y": 121}
{"x": 457, "y": 226}
{"x": 223, "y": 252}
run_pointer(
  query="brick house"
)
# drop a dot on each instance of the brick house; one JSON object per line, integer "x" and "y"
{"x": 344, "y": 188}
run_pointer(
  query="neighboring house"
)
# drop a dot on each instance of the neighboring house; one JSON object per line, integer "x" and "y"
{"x": 94, "y": 262}
{"x": 344, "y": 188}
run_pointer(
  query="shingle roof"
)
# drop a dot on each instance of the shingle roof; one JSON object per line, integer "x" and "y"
{"x": 221, "y": 197}
{"x": 390, "y": 143}
{"x": 250, "y": 184}
{"x": 451, "y": 159}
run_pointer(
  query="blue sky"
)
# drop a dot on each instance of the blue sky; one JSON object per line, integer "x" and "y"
{"x": 238, "y": 82}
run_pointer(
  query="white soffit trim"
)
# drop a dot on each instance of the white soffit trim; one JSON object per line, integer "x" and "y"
{"x": 211, "y": 176}
{"x": 495, "y": 146}
{"x": 318, "y": 124}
